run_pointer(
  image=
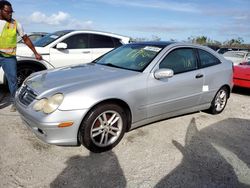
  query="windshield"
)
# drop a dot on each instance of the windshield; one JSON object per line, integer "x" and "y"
{"x": 134, "y": 57}
{"x": 49, "y": 38}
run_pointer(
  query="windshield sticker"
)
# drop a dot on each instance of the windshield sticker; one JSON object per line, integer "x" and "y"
{"x": 152, "y": 48}
{"x": 54, "y": 36}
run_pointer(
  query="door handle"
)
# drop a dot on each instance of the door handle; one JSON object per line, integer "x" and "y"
{"x": 86, "y": 52}
{"x": 199, "y": 76}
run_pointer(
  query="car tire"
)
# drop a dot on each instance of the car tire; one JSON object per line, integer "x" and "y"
{"x": 220, "y": 100}
{"x": 103, "y": 127}
{"x": 23, "y": 71}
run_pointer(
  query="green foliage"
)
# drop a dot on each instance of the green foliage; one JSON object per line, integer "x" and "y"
{"x": 233, "y": 43}
{"x": 203, "y": 40}
{"x": 141, "y": 39}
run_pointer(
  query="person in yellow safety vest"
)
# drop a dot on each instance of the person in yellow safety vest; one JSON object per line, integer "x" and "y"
{"x": 9, "y": 28}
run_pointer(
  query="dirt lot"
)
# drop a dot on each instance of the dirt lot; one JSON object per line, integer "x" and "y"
{"x": 195, "y": 150}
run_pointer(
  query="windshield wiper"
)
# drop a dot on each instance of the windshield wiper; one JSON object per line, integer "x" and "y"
{"x": 112, "y": 65}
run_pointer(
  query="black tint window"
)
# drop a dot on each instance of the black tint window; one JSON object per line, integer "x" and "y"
{"x": 100, "y": 41}
{"x": 77, "y": 41}
{"x": 117, "y": 42}
{"x": 180, "y": 60}
{"x": 207, "y": 59}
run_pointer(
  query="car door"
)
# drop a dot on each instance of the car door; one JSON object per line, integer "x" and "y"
{"x": 213, "y": 71}
{"x": 180, "y": 92}
{"x": 77, "y": 51}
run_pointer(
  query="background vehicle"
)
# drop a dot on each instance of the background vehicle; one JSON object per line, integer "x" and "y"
{"x": 241, "y": 76}
{"x": 237, "y": 57}
{"x": 33, "y": 37}
{"x": 224, "y": 50}
{"x": 133, "y": 85}
{"x": 65, "y": 48}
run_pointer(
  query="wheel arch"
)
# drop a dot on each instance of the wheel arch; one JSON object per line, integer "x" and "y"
{"x": 228, "y": 89}
{"x": 213, "y": 109}
{"x": 122, "y": 104}
{"x": 119, "y": 102}
{"x": 33, "y": 63}
{"x": 27, "y": 67}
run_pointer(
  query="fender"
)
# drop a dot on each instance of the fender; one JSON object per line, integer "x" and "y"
{"x": 44, "y": 63}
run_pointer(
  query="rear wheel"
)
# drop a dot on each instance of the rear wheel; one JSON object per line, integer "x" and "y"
{"x": 220, "y": 100}
{"x": 103, "y": 127}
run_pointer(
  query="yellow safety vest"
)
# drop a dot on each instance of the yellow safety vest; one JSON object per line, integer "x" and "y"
{"x": 8, "y": 39}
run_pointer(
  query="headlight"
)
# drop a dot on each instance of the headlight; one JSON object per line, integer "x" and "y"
{"x": 49, "y": 105}
{"x": 53, "y": 103}
{"x": 38, "y": 106}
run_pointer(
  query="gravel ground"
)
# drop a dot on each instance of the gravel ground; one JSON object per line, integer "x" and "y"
{"x": 195, "y": 150}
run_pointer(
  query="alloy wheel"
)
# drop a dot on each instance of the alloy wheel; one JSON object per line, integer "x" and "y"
{"x": 106, "y": 128}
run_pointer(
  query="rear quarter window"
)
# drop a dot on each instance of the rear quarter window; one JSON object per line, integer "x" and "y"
{"x": 207, "y": 59}
{"x": 100, "y": 41}
{"x": 117, "y": 42}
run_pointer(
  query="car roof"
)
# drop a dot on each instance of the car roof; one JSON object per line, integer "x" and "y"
{"x": 173, "y": 43}
{"x": 154, "y": 43}
{"x": 125, "y": 39}
{"x": 92, "y": 31}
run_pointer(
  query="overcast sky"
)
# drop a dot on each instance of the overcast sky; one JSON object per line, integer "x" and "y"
{"x": 168, "y": 19}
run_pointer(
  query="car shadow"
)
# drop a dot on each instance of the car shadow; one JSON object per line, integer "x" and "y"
{"x": 241, "y": 90}
{"x": 95, "y": 170}
{"x": 216, "y": 156}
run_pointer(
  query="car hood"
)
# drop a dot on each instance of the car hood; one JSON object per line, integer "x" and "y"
{"x": 25, "y": 51}
{"x": 75, "y": 77}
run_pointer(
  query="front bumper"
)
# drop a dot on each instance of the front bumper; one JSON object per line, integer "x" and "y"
{"x": 46, "y": 127}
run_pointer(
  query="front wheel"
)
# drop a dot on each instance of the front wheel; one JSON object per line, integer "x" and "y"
{"x": 23, "y": 71}
{"x": 103, "y": 127}
{"x": 220, "y": 100}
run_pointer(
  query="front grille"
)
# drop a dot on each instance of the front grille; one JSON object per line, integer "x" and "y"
{"x": 26, "y": 95}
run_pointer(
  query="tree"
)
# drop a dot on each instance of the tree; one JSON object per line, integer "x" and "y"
{"x": 201, "y": 40}
{"x": 234, "y": 42}
{"x": 198, "y": 40}
{"x": 141, "y": 39}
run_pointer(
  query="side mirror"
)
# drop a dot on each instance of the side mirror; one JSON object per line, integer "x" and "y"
{"x": 163, "y": 73}
{"x": 61, "y": 46}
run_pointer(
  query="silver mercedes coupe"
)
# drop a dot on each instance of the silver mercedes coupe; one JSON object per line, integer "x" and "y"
{"x": 94, "y": 104}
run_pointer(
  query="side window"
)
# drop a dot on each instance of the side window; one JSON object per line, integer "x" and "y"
{"x": 180, "y": 60}
{"x": 100, "y": 41}
{"x": 117, "y": 42}
{"x": 77, "y": 41}
{"x": 207, "y": 59}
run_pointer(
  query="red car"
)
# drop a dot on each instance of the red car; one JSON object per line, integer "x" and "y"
{"x": 241, "y": 76}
